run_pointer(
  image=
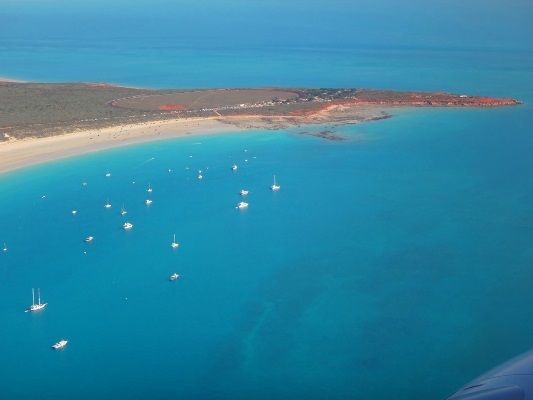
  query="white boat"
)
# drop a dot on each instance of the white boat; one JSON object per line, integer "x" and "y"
{"x": 36, "y": 306}
{"x": 123, "y": 210}
{"x": 244, "y": 192}
{"x": 59, "y": 345}
{"x": 174, "y": 276}
{"x": 200, "y": 177}
{"x": 174, "y": 244}
{"x": 108, "y": 174}
{"x": 5, "y": 247}
{"x": 148, "y": 202}
{"x": 107, "y": 204}
{"x": 127, "y": 226}
{"x": 74, "y": 212}
{"x": 149, "y": 190}
{"x": 241, "y": 205}
{"x": 234, "y": 167}
{"x": 89, "y": 239}
{"x": 275, "y": 186}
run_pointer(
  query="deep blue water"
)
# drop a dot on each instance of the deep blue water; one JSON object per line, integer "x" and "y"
{"x": 394, "y": 264}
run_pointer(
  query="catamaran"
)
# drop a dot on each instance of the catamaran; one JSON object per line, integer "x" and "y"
{"x": 59, "y": 345}
{"x": 127, "y": 226}
{"x": 39, "y": 305}
{"x": 174, "y": 244}
{"x": 275, "y": 186}
{"x": 241, "y": 205}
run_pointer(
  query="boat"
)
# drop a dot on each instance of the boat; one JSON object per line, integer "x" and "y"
{"x": 148, "y": 202}
{"x": 241, "y": 205}
{"x": 149, "y": 190}
{"x": 107, "y": 204}
{"x": 59, "y": 345}
{"x": 234, "y": 167}
{"x": 275, "y": 186}
{"x": 174, "y": 276}
{"x": 174, "y": 244}
{"x": 200, "y": 177}
{"x": 123, "y": 210}
{"x": 108, "y": 174}
{"x": 127, "y": 226}
{"x": 89, "y": 239}
{"x": 74, "y": 212}
{"x": 36, "y": 307}
{"x": 244, "y": 192}
{"x": 5, "y": 247}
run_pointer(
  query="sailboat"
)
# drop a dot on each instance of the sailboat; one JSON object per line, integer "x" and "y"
{"x": 275, "y": 186}
{"x": 59, "y": 345}
{"x": 149, "y": 190}
{"x": 123, "y": 210}
{"x": 174, "y": 244}
{"x": 5, "y": 247}
{"x": 107, "y": 204}
{"x": 39, "y": 305}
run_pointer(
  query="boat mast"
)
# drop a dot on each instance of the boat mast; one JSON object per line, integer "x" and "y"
{"x": 39, "y": 293}
{"x": 33, "y": 296}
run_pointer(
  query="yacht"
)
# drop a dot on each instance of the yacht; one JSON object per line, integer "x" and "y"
{"x": 174, "y": 244}
{"x": 59, "y": 345}
{"x": 149, "y": 190}
{"x": 174, "y": 276}
{"x": 107, "y": 204}
{"x": 89, "y": 239}
{"x": 148, "y": 202}
{"x": 234, "y": 167}
{"x": 244, "y": 192}
{"x": 241, "y": 205}
{"x": 275, "y": 186}
{"x": 127, "y": 226}
{"x": 36, "y": 307}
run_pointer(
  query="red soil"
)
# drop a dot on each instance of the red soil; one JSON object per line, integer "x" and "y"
{"x": 172, "y": 107}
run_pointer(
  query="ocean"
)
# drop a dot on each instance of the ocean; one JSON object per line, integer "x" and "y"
{"x": 396, "y": 263}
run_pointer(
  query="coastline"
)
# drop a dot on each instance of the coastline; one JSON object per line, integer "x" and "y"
{"x": 20, "y": 153}
{"x": 17, "y": 154}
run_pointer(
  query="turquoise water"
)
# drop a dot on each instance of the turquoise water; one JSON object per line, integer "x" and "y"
{"x": 393, "y": 265}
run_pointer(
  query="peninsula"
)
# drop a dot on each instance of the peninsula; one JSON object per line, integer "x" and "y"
{"x": 43, "y": 121}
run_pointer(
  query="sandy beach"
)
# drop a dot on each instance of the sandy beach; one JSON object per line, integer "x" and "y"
{"x": 16, "y": 154}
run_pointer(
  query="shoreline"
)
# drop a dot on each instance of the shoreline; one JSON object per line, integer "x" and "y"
{"x": 16, "y": 154}
{"x": 22, "y": 153}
